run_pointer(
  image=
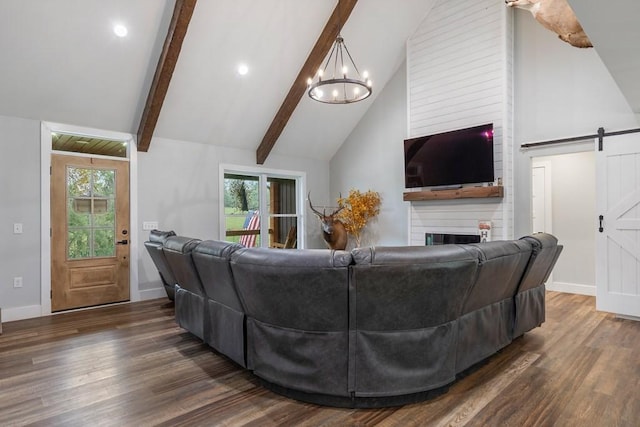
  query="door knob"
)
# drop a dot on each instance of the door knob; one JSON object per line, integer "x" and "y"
{"x": 122, "y": 242}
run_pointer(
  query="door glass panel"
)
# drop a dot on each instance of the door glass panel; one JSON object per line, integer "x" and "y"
{"x": 282, "y": 212}
{"x": 244, "y": 215}
{"x": 103, "y": 183}
{"x": 90, "y": 212}
{"x": 241, "y": 209}
{"x": 282, "y": 196}
{"x": 103, "y": 239}
{"x": 78, "y": 243}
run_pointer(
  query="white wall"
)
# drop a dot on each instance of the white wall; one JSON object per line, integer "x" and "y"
{"x": 559, "y": 91}
{"x": 459, "y": 64}
{"x": 573, "y": 200}
{"x": 20, "y": 203}
{"x": 177, "y": 186}
{"x": 372, "y": 159}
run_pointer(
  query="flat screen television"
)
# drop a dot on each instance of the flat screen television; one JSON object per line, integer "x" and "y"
{"x": 463, "y": 156}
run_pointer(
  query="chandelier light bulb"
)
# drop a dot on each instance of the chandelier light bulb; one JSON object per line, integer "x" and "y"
{"x": 345, "y": 70}
{"x": 309, "y": 81}
{"x": 320, "y": 72}
{"x": 369, "y": 82}
{"x": 318, "y": 92}
{"x": 335, "y": 93}
{"x": 356, "y": 91}
{"x": 365, "y": 74}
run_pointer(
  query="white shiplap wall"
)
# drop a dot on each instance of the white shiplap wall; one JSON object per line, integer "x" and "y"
{"x": 459, "y": 65}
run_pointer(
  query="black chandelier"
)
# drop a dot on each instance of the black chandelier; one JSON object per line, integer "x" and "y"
{"x": 341, "y": 88}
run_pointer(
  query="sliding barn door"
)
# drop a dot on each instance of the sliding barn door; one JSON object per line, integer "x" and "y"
{"x": 618, "y": 235}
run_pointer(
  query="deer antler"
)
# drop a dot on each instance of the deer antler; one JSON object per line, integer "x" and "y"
{"x": 324, "y": 212}
{"x": 311, "y": 206}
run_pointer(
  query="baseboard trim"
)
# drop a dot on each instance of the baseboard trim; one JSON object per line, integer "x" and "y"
{"x": 572, "y": 288}
{"x": 624, "y": 316}
{"x": 146, "y": 294}
{"x": 10, "y": 314}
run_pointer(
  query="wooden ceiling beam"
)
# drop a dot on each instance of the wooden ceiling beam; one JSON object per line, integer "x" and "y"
{"x": 319, "y": 52}
{"x": 182, "y": 12}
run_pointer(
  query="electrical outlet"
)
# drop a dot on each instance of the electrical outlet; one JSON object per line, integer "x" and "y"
{"x": 17, "y": 282}
{"x": 17, "y": 228}
{"x": 150, "y": 225}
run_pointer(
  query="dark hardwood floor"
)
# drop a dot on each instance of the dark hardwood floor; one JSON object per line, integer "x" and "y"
{"x": 130, "y": 365}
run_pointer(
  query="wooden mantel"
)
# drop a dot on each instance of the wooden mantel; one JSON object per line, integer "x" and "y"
{"x": 458, "y": 193}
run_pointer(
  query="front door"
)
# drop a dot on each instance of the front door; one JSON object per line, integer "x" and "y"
{"x": 618, "y": 236}
{"x": 89, "y": 231}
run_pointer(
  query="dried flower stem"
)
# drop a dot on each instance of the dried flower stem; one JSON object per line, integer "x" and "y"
{"x": 358, "y": 209}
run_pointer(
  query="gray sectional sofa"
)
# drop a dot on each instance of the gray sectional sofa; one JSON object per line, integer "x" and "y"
{"x": 377, "y": 326}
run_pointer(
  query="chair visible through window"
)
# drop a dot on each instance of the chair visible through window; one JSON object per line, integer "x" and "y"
{"x": 251, "y": 222}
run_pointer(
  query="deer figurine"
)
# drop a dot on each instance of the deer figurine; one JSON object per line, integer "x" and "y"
{"x": 333, "y": 231}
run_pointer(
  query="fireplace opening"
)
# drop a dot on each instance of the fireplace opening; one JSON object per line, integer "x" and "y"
{"x": 431, "y": 239}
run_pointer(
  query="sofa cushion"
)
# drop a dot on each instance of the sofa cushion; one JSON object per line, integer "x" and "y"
{"x": 544, "y": 255}
{"x": 155, "y": 249}
{"x": 297, "y": 304}
{"x": 404, "y": 306}
{"x": 224, "y": 321}
{"x": 410, "y": 287}
{"x": 177, "y": 250}
{"x": 211, "y": 259}
{"x": 303, "y": 289}
{"x": 501, "y": 266}
{"x": 160, "y": 236}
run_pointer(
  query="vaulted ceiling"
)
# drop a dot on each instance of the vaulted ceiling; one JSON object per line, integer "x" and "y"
{"x": 62, "y": 62}
{"x": 615, "y": 33}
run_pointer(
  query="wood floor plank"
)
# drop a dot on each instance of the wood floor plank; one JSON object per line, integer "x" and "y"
{"x": 131, "y": 365}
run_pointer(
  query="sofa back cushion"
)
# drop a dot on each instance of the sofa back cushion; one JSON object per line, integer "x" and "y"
{"x": 211, "y": 259}
{"x": 154, "y": 246}
{"x": 502, "y": 264}
{"x": 399, "y": 288}
{"x": 305, "y": 289}
{"x": 177, "y": 250}
{"x": 545, "y": 253}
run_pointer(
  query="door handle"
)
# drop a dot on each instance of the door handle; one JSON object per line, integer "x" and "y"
{"x": 122, "y": 242}
{"x": 601, "y": 228}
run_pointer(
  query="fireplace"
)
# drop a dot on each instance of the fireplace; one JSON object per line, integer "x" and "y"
{"x": 446, "y": 239}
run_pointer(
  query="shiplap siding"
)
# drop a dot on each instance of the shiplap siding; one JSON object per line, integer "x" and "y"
{"x": 459, "y": 66}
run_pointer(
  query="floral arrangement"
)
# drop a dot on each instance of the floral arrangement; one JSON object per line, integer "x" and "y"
{"x": 356, "y": 211}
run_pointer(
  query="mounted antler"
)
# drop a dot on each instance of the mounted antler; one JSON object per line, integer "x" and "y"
{"x": 333, "y": 231}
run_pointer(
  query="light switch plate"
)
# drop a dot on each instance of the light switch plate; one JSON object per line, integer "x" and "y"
{"x": 150, "y": 225}
{"x": 17, "y": 228}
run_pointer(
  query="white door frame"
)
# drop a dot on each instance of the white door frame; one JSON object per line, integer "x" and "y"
{"x": 548, "y": 191}
{"x": 556, "y": 150}
{"x": 301, "y": 185}
{"x": 46, "y": 128}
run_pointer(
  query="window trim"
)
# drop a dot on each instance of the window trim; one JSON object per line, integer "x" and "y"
{"x": 264, "y": 173}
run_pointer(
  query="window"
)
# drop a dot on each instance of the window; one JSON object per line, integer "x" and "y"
{"x": 262, "y": 209}
{"x": 90, "y": 212}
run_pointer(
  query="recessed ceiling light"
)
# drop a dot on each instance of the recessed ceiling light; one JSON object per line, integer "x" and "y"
{"x": 243, "y": 69}
{"x": 120, "y": 30}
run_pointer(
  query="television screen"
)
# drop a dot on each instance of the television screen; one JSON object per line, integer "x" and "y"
{"x": 458, "y": 157}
